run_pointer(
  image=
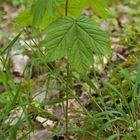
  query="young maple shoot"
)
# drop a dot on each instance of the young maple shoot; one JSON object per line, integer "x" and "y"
{"x": 69, "y": 34}
{"x": 77, "y": 38}
{"x": 74, "y": 36}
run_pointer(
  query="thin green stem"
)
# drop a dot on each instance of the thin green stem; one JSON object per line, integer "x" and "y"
{"x": 67, "y": 98}
{"x": 67, "y": 83}
{"x": 66, "y": 10}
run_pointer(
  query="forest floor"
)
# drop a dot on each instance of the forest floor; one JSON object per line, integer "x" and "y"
{"x": 103, "y": 105}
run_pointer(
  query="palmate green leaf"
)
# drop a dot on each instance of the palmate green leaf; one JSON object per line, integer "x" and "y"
{"x": 23, "y": 20}
{"x": 40, "y": 14}
{"x": 78, "y": 39}
{"x": 41, "y": 7}
{"x": 56, "y": 41}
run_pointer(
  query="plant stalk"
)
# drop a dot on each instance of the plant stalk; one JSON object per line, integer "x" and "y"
{"x": 66, "y": 10}
{"x": 67, "y": 98}
{"x": 67, "y": 83}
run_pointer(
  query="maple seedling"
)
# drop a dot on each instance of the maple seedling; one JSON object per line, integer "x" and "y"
{"x": 69, "y": 34}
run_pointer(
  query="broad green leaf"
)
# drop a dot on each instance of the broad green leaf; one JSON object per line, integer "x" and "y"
{"x": 99, "y": 6}
{"x": 41, "y": 7}
{"x": 57, "y": 38}
{"x": 40, "y": 14}
{"x": 24, "y": 20}
{"x": 78, "y": 39}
